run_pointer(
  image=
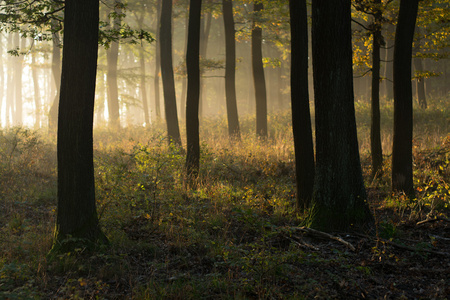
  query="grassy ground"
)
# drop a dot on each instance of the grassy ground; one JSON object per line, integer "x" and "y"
{"x": 236, "y": 236}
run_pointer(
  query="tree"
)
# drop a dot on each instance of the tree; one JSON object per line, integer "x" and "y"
{"x": 339, "y": 197}
{"x": 193, "y": 89}
{"x": 402, "y": 172}
{"x": 170, "y": 101}
{"x": 230, "y": 70}
{"x": 157, "y": 61}
{"x": 301, "y": 119}
{"x": 375, "y": 126}
{"x": 77, "y": 215}
{"x": 258, "y": 73}
{"x": 112, "y": 55}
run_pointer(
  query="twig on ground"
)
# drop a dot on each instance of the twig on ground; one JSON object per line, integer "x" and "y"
{"x": 325, "y": 235}
{"x": 433, "y": 220}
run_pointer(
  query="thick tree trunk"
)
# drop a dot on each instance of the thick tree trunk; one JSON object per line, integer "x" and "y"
{"x": 193, "y": 90}
{"x": 402, "y": 171}
{"x": 421, "y": 97}
{"x": 230, "y": 70}
{"x": 170, "y": 101}
{"x": 258, "y": 75}
{"x": 339, "y": 199}
{"x": 77, "y": 215}
{"x": 301, "y": 118}
{"x": 375, "y": 127}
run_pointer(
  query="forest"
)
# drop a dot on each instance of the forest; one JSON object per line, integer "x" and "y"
{"x": 229, "y": 149}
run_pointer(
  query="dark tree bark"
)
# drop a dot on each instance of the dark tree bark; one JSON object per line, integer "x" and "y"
{"x": 230, "y": 70}
{"x": 77, "y": 215}
{"x": 258, "y": 74}
{"x": 402, "y": 171}
{"x": 157, "y": 62}
{"x": 301, "y": 118}
{"x": 193, "y": 90}
{"x": 170, "y": 101}
{"x": 339, "y": 198}
{"x": 112, "y": 56}
{"x": 375, "y": 127}
{"x": 421, "y": 97}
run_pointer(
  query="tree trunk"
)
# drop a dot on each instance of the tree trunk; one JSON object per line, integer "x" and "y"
{"x": 258, "y": 74}
{"x": 142, "y": 87}
{"x": 421, "y": 98}
{"x": 301, "y": 118}
{"x": 170, "y": 101}
{"x": 112, "y": 56}
{"x": 402, "y": 172}
{"x": 184, "y": 79}
{"x": 157, "y": 62}
{"x": 205, "y": 28}
{"x": 339, "y": 198}
{"x": 375, "y": 127}
{"x": 193, "y": 90}
{"x": 37, "y": 95}
{"x": 77, "y": 215}
{"x": 18, "y": 120}
{"x": 56, "y": 71}
{"x": 389, "y": 63}
{"x": 230, "y": 70}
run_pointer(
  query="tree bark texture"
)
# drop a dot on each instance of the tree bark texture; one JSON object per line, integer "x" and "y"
{"x": 375, "y": 126}
{"x": 258, "y": 74}
{"x": 230, "y": 70}
{"x": 193, "y": 89}
{"x": 168, "y": 80}
{"x": 77, "y": 214}
{"x": 301, "y": 118}
{"x": 339, "y": 198}
{"x": 402, "y": 172}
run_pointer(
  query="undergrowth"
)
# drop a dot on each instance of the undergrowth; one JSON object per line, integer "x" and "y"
{"x": 231, "y": 237}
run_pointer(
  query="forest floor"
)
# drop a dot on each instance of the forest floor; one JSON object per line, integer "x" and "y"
{"x": 236, "y": 235}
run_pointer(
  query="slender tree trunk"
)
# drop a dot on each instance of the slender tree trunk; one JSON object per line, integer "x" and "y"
{"x": 230, "y": 70}
{"x": 193, "y": 90}
{"x": 389, "y": 63}
{"x": 170, "y": 101}
{"x": 375, "y": 127}
{"x": 184, "y": 79}
{"x": 339, "y": 199}
{"x": 258, "y": 74}
{"x": 10, "y": 85}
{"x": 402, "y": 171}
{"x": 56, "y": 71}
{"x": 77, "y": 215}
{"x": 301, "y": 118}
{"x": 157, "y": 62}
{"x": 205, "y": 28}
{"x": 142, "y": 87}
{"x": 112, "y": 56}
{"x": 421, "y": 98}
{"x": 37, "y": 94}
{"x": 18, "y": 81}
